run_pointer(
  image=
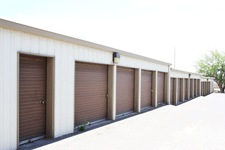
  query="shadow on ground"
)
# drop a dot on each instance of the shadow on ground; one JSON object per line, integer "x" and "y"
{"x": 46, "y": 141}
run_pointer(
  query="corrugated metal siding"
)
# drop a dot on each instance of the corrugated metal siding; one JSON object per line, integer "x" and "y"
{"x": 65, "y": 54}
{"x": 195, "y": 76}
{"x": 177, "y": 74}
{"x": 132, "y": 62}
{"x": 11, "y": 43}
{"x": 8, "y": 90}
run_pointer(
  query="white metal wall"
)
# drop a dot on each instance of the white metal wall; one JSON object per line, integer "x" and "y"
{"x": 65, "y": 53}
{"x": 177, "y": 74}
{"x": 195, "y": 76}
{"x": 139, "y": 63}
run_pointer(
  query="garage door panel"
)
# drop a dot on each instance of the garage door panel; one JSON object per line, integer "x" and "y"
{"x": 171, "y": 90}
{"x": 185, "y": 89}
{"x": 32, "y": 90}
{"x": 179, "y": 90}
{"x": 91, "y": 88}
{"x": 194, "y": 87}
{"x": 161, "y": 84}
{"x": 125, "y": 90}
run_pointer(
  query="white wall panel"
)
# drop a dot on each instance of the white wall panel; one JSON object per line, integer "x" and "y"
{"x": 8, "y": 90}
{"x": 195, "y": 76}
{"x": 51, "y": 47}
{"x": 177, "y": 74}
{"x": 132, "y": 62}
{"x": 88, "y": 54}
{"x": 2, "y": 145}
{"x": 64, "y": 89}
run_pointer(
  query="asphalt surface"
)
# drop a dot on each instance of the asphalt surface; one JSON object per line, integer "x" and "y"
{"x": 197, "y": 124}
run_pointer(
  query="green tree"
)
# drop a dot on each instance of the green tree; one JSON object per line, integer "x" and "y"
{"x": 213, "y": 65}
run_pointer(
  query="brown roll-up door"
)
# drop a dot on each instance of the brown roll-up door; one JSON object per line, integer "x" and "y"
{"x": 191, "y": 87}
{"x": 171, "y": 90}
{"x": 179, "y": 90}
{"x": 195, "y": 94}
{"x": 146, "y": 88}
{"x": 202, "y": 88}
{"x": 208, "y": 87}
{"x": 32, "y": 91}
{"x": 91, "y": 87}
{"x": 204, "y": 84}
{"x": 197, "y": 87}
{"x": 125, "y": 90}
{"x": 186, "y": 89}
{"x": 161, "y": 84}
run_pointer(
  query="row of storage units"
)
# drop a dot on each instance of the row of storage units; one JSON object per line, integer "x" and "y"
{"x": 51, "y": 83}
{"x": 207, "y": 86}
{"x": 91, "y": 91}
{"x": 184, "y": 86}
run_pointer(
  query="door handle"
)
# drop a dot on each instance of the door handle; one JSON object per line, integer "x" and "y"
{"x": 42, "y": 102}
{"x": 106, "y": 95}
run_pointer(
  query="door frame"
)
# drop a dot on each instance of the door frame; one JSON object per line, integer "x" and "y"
{"x": 50, "y": 95}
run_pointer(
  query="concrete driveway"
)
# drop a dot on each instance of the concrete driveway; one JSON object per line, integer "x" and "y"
{"x": 197, "y": 124}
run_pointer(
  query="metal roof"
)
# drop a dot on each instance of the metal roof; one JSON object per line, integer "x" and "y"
{"x": 40, "y": 32}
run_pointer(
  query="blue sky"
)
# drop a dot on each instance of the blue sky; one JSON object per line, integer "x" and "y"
{"x": 145, "y": 27}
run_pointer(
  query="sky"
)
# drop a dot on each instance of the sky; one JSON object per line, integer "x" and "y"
{"x": 145, "y": 27}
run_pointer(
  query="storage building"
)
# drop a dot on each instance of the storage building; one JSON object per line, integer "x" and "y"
{"x": 51, "y": 83}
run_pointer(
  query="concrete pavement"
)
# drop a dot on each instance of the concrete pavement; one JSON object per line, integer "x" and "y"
{"x": 197, "y": 124}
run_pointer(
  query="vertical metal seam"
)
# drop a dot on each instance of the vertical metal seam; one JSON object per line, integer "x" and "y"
{"x": 47, "y": 43}
{"x": 39, "y": 44}
{"x": 31, "y": 40}
{"x": 21, "y": 41}
{"x": 11, "y": 76}
{"x": 53, "y": 100}
{"x": 1, "y": 122}
{"x": 67, "y": 59}
{"x": 2, "y": 94}
{"x": 60, "y": 85}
